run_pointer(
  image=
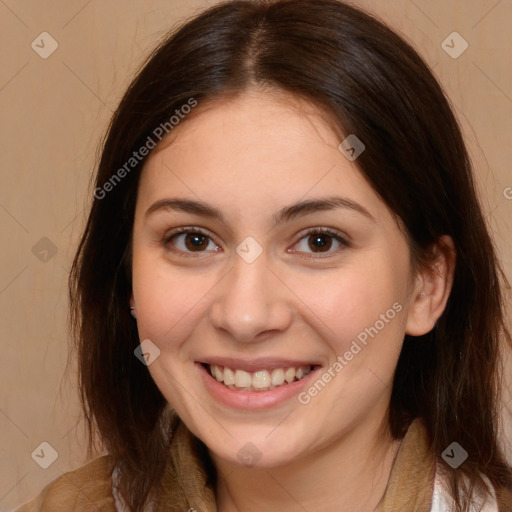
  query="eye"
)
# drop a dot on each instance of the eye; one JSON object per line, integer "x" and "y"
{"x": 320, "y": 240}
{"x": 190, "y": 239}
{"x": 195, "y": 240}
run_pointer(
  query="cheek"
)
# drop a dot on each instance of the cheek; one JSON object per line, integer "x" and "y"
{"x": 169, "y": 300}
{"x": 352, "y": 299}
{"x": 362, "y": 321}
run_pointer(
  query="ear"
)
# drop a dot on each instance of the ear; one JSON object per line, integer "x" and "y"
{"x": 432, "y": 289}
{"x": 133, "y": 312}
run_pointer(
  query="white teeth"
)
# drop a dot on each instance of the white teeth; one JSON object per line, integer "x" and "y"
{"x": 242, "y": 379}
{"x": 218, "y": 374}
{"x": 229, "y": 377}
{"x": 277, "y": 377}
{"x": 289, "y": 375}
{"x": 261, "y": 380}
{"x": 300, "y": 372}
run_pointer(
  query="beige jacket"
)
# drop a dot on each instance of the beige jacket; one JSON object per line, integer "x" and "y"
{"x": 413, "y": 485}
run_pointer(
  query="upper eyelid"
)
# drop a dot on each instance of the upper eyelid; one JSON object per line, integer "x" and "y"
{"x": 187, "y": 230}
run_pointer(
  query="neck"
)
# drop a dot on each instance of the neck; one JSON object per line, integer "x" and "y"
{"x": 350, "y": 474}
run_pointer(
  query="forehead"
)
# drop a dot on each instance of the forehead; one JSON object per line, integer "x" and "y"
{"x": 255, "y": 151}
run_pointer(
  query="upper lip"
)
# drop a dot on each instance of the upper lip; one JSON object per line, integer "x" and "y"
{"x": 254, "y": 365}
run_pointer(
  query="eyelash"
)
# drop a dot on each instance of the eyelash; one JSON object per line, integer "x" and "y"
{"x": 317, "y": 230}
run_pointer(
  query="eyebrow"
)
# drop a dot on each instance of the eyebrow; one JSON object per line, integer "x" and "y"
{"x": 285, "y": 214}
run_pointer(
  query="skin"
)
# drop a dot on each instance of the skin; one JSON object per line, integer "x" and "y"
{"x": 249, "y": 156}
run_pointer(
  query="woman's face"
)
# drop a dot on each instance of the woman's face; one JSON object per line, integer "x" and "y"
{"x": 257, "y": 288}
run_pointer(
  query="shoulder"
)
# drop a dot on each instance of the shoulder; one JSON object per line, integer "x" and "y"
{"x": 88, "y": 486}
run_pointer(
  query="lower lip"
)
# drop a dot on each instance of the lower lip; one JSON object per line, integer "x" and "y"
{"x": 253, "y": 399}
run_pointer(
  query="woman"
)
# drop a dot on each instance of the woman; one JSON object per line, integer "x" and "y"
{"x": 286, "y": 296}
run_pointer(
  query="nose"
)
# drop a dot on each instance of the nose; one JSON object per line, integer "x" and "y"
{"x": 251, "y": 302}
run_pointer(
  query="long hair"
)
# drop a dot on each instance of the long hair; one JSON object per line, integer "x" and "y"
{"x": 373, "y": 84}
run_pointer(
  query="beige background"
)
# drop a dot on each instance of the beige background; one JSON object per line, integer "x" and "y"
{"x": 53, "y": 112}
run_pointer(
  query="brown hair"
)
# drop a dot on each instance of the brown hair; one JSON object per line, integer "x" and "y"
{"x": 374, "y": 85}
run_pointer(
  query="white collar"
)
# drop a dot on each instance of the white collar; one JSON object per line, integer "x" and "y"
{"x": 443, "y": 502}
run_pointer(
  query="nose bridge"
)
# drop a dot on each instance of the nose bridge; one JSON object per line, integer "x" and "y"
{"x": 248, "y": 303}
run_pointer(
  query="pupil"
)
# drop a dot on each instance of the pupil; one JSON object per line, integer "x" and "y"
{"x": 197, "y": 240}
{"x": 319, "y": 242}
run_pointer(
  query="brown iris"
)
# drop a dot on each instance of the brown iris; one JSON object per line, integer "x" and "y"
{"x": 195, "y": 241}
{"x": 320, "y": 241}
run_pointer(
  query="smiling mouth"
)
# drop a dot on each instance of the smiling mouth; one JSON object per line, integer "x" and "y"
{"x": 262, "y": 380}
